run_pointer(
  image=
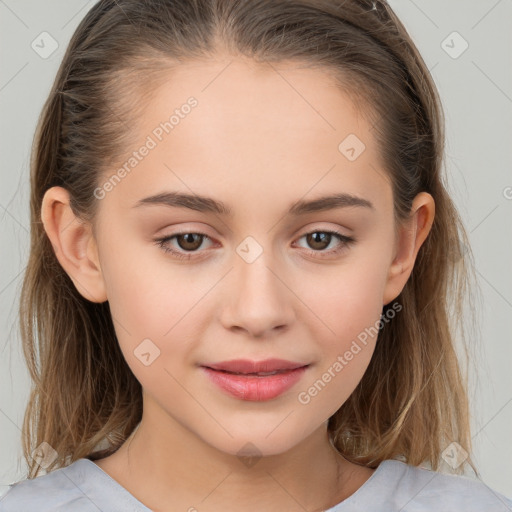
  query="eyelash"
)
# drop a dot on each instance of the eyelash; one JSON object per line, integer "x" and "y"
{"x": 345, "y": 242}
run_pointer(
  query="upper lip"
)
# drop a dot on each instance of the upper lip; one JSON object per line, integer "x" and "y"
{"x": 248, "y": 366}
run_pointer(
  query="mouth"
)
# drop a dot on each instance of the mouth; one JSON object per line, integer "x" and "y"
{"x": 246, "y": 366}
{"x": 257, "y": 374}
{"x": 255, "y": 381}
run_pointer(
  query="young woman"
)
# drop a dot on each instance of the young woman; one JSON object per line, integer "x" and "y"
{"x": 243, "y": 267}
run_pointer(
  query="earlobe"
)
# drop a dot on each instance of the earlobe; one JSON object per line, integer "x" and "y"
{"x": 410, "y": 239}
{"x": 73, "y": 243}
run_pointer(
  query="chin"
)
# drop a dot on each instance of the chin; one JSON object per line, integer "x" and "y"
{"x": 257, "y": 442}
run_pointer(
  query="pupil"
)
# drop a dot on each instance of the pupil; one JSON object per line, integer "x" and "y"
{"x": 189, "y": 239}
{"x": 317, "y": 238}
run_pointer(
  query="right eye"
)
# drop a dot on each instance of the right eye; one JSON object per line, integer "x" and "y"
{"x": 189, "y": 242}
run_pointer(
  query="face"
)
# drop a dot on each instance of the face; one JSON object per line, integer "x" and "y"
{"x": 263, "y": 277}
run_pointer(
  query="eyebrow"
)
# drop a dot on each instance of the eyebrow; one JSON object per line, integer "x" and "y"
{"x": 210, "y": 205}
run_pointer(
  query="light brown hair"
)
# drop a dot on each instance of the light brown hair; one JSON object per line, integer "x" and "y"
{"x": 412, "y": 401}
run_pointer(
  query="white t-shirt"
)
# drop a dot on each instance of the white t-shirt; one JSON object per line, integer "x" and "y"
{"x": 394, "y": 486}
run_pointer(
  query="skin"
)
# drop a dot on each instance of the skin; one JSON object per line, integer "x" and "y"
{"x": 260, "y": 139}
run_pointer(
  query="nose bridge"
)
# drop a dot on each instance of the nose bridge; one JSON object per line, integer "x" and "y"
{"x": 258, "y": 300}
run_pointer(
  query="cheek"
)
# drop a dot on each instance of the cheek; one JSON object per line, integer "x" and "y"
{"x": 344, "y": 300}
{"x": 348, "y": 308}
{"x": 156, "y": 310}
{"x": 147, "y": 294}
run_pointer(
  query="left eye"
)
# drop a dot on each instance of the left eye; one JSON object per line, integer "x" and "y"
{"x": 190, "y": 242}
{"x": 322, "y": 239}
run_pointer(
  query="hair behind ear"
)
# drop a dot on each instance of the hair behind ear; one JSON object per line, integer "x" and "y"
{"x": 83, "y": 392}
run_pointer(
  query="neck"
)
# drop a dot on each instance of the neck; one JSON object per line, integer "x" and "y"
{"x": 191, "y": 475}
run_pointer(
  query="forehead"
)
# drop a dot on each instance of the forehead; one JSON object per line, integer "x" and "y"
{"x": 255, "y": 130}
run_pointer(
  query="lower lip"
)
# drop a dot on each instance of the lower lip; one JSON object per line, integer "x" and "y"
{"x": 252, "y": 387}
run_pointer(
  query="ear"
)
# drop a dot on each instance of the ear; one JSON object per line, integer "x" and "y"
{"x": 409, "y": 240}
{"x": 73, "y": 243}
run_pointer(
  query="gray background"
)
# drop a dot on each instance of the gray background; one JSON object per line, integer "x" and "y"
{"x": 476, "y": 90}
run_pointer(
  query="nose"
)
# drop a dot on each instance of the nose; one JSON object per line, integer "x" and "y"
{"x": 258, "y": 299}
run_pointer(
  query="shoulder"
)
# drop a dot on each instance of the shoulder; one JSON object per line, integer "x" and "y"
{"x": 419, "y": 489}
{"x": 58, "y": 490}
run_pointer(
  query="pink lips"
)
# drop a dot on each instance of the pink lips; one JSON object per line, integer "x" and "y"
{"x": 239, "y": 377}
